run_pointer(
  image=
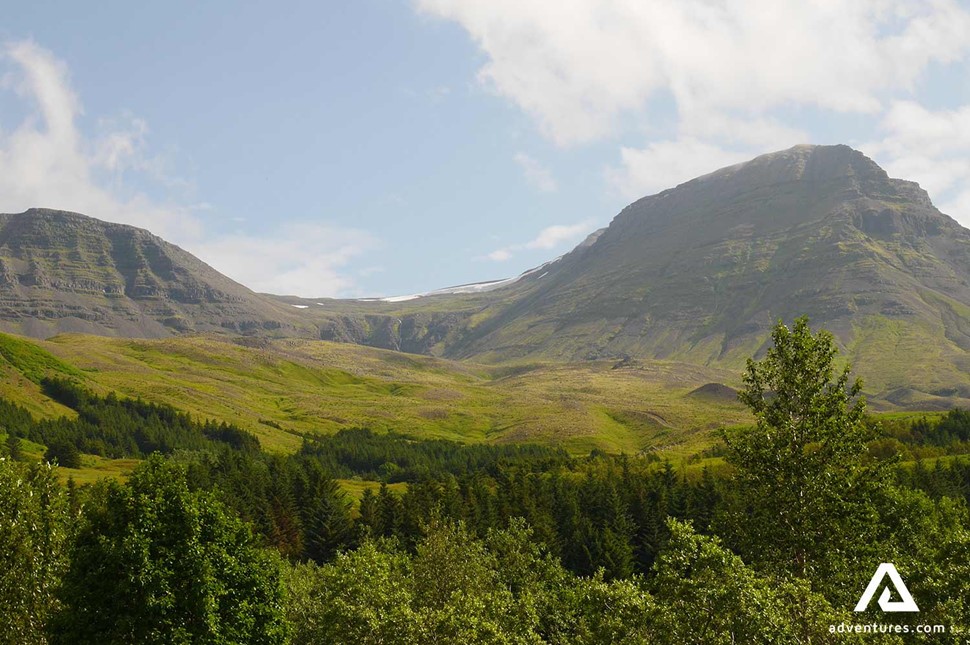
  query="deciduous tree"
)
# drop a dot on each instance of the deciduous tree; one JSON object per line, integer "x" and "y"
{"x": 155, "y": 563}
{"x": 33, "y": 534}
{"x": 804, "y": 481}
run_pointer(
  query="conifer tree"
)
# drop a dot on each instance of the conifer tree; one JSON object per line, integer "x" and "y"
{"x": 369, "y": 520}
{"x": 331, "y": 527}
{"x": 14, "y": 449}
{"x": 389, "y": 512}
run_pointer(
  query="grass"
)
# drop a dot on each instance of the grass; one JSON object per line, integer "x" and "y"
{"x": 31, "y": 361}
{"x": 355, "y": 488}
{"x": 288, "y": 389}
{"x": 94, "y": 468}
{"x": 31, "y": 451}
{"x": 915, "y": 369}
{"x": 285, "y": 390}
{"x": 22, "y": 366}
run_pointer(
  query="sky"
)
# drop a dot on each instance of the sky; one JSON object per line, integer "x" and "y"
{"x": 352, "y": 148}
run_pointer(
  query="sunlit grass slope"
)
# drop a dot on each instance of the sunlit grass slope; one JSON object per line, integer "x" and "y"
{"x": 286, "y": 389}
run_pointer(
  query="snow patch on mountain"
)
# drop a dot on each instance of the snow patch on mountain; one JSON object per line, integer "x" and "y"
{"x": 474, "y": 287}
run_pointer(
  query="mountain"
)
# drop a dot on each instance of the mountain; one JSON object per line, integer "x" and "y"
{"x": 699, "y": 273}
{"x": 65, "y": 272}
{"x": 704, "y": 269}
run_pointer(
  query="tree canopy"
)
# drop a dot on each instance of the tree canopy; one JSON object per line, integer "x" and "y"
{"x": 156, "y": 563}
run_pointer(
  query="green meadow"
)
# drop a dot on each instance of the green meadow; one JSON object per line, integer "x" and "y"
{"x": 287, "y": 389}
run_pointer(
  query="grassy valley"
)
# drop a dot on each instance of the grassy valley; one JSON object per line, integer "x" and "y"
{"x": 284, "y": 389}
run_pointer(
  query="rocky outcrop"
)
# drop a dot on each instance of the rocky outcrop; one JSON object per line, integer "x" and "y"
{"x": 62, "y": 271}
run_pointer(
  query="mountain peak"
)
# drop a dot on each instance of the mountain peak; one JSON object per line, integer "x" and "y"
{"x": 804, "y": 162}
{"x": 701, "y": 272}
{"x": 775, "y": 190}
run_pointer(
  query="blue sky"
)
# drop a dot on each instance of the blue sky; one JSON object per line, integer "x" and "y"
{"x": 386, "y": 147}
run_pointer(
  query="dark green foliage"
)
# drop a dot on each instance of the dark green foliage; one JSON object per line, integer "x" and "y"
{"x": 15, "y": 420}
{"x": 605, "y": 515}
{"x": 290, "y": 501}
{"x": 330, "y": 527}
{"x": 952, "y": 428}
{"x": 950, "y": 479}
{"x": 394, "y": 457}
{"x": 63, "y": 453}
{"x": 955, "y": 426}
{"x": 14, "y": 449}
{"x": 156, "y": 563}
{"x": 369, "y": 517}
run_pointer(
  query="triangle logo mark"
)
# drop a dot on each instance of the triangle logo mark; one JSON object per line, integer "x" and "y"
{"x": 906, "y": 602}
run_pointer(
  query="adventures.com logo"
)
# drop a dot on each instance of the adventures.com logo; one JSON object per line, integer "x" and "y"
{"x": 888, "y": 579}
{"x": 906, "y": 602}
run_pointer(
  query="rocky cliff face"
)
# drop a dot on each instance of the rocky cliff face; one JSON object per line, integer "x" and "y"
{"x": 412, "y": 332}
{"x": 62, "y": 271}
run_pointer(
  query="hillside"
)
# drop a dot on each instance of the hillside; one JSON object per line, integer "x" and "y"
{"x": 701, "y": 271}
{"x": 284, "y": 389}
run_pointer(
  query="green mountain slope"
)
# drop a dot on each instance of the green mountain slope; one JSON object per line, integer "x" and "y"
{"x": 700, "y": 272}
{"x": 285, "y": 389}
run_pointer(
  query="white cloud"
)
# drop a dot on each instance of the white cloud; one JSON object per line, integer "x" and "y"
{"x": 500, "y": 255}
{"x": 706, "y": 83}
{"x": 548, "y": 238}
{"x": 665, "y": 164}
{"x": 580, "y": 66}
{"x": 958, "y": 207}
{"x": 909, "y": 125}
{"x": 304, "y": 259}
{"x": 552, "y": 236}
{"x": 931, "y": 147}
{"x": 753, "y": 132}
{"x": 46, "y": 161}
{"x": 536, "y": 174}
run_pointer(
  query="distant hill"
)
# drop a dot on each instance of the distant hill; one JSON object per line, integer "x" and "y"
{"x": 715, "y": 392}
{"x": 65, "y": 272}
